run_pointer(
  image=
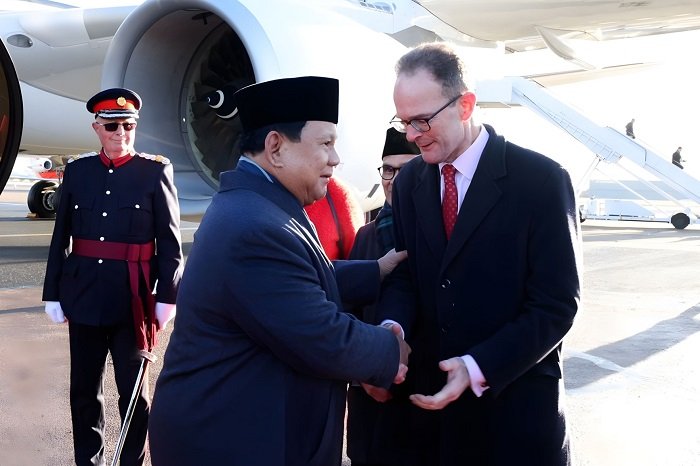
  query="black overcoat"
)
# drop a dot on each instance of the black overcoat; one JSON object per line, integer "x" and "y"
{"x": 504, "y": 289}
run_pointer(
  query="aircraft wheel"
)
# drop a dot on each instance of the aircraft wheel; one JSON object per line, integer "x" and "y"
{"x": 40, "y": 199}
{"x": 680, "y": 220}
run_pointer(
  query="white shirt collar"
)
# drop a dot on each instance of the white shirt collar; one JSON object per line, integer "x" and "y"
{"x": 244, "y": 158}
{"x": 468, "y": 160}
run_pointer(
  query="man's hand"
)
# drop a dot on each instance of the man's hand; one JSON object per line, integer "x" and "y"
{"x": 54, "y": 311}
{"x": 379, "y": 394}
{"x": 457, "y": 381}
{"x": 382, "y": 394}
{"x": 389, "y": 261}
{"x": 404, "y": 352}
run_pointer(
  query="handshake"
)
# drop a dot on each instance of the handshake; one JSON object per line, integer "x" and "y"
{"x": 382, "y": 394}
{"x": 458, "y": 379}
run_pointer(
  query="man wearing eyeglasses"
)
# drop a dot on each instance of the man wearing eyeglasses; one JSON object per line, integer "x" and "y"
{"x": 103, "y": 274}
{"x": 492, "y": 282}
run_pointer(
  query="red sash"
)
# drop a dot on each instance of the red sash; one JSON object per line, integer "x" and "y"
{"x": 137, "y": 257}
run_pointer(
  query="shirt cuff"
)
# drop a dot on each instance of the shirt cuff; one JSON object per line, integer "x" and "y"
{"x": 388, "y": 323}
{"x": 477, "y": 380}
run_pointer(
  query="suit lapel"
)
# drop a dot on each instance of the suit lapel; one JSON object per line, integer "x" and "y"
{"x": 426, "y": 198}
{"x": 482, "y": 195}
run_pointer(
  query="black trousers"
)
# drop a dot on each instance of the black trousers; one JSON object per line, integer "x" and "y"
{"x": 88, "y": 354}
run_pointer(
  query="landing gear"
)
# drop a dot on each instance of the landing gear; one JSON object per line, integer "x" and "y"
{"x": 680, "y": 220}
{"x": 43, "y": 199}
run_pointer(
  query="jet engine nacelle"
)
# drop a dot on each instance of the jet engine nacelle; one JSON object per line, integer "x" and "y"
{"x": 41, "y": 165}
{"x": 177, "y": 52}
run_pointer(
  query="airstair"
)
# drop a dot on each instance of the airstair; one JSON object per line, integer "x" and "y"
{"x": 676, "y": 194}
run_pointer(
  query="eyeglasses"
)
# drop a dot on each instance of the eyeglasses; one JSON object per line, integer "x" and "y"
{"x": 387, "y": 172}
{"x": 420, "y": 124}
{"x": 112, "y": 127}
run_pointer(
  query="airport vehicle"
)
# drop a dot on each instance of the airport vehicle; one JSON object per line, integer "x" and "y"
{"x": 177, "y": 52}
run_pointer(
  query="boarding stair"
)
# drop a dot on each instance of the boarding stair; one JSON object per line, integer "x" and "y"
{"x": 678, "y": 191}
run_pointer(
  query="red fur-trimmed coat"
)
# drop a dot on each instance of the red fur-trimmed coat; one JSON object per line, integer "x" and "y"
{"x": 350, "y": 218}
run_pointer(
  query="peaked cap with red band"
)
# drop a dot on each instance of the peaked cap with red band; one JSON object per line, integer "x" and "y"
{"x": 115, "y": 103}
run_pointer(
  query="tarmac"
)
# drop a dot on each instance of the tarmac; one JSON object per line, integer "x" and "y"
{"x": 632, "y": 380}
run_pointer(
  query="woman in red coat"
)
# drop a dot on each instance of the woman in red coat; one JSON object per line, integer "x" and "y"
{"x": 337, "y": 217}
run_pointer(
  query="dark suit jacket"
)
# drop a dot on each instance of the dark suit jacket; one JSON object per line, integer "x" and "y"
{"x": 504, "y": 289}
{"x": 257, "y": 365}
{"x": 375, "y": 431}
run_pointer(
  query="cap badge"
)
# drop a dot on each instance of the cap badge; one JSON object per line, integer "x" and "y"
{"x": 121, "y": 101}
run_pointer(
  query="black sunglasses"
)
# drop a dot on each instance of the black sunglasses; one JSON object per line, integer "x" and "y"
{"x": 112, "y": 127}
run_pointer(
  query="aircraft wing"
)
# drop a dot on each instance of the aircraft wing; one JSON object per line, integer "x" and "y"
{"x": 28, "y": 5}
{"x": 24, "y": 6}
{"x": 579, "y": 32}
{"x": 50, "y": 63}
{"x": 519, "y": 23}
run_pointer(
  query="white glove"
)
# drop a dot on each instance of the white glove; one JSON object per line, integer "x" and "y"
{"x": 164, "y": 313}
{"x": 54, "y": 311}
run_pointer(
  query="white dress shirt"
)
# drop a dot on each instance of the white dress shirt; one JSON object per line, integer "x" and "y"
{"x": 465, "y": 166}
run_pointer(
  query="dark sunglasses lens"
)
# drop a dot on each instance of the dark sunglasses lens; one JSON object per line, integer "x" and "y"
{"x": 112, "y": 127}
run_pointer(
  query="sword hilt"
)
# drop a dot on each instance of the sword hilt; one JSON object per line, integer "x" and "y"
{"x": 148, "y": 355}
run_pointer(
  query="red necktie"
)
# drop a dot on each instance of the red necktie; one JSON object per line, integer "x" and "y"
{"x": 449, "y": 199}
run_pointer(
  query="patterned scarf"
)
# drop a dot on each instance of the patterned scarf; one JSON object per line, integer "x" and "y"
{"x": 384, "y": 226}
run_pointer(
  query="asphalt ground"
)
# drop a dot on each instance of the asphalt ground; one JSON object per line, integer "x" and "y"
{"x": 632, "y": 380}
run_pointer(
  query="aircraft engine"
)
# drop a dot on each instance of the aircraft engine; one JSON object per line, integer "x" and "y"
{"x": 178, "y": 54}
{"x": 41, "y": 165}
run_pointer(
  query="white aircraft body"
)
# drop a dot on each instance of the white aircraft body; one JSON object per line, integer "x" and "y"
{"x": 176, "y": 52}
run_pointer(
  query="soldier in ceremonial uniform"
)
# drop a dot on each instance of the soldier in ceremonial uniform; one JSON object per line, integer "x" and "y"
{"x": 113, "y": 270}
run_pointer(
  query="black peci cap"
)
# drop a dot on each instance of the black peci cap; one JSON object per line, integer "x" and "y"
{"x": 396, "y": 143}
{"x": 307, "y": 98}
{"x": 115, "y": 103}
